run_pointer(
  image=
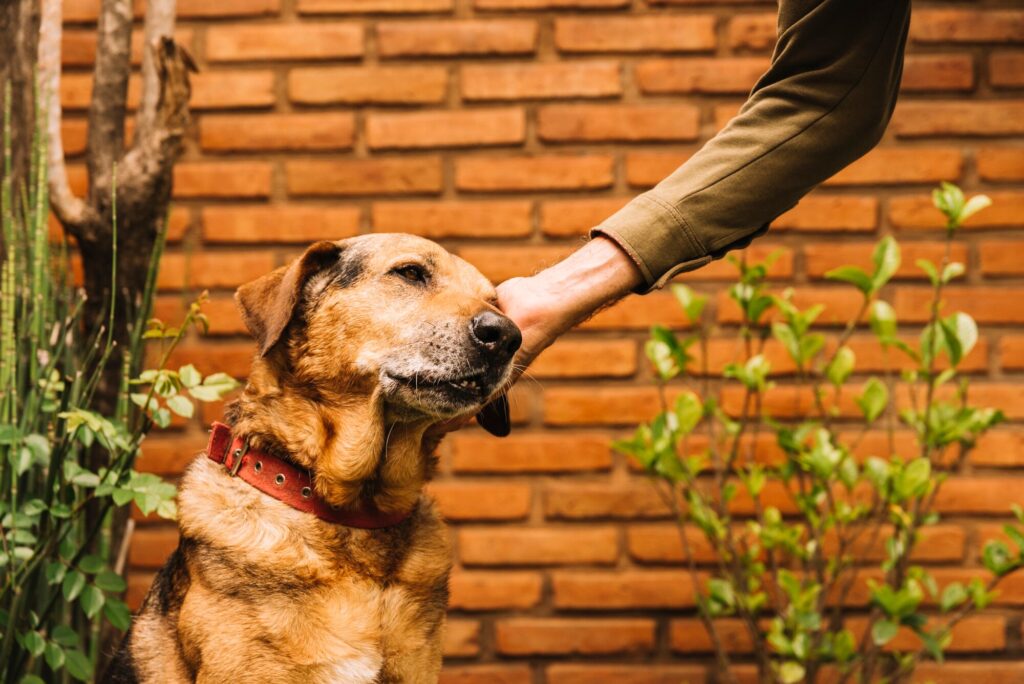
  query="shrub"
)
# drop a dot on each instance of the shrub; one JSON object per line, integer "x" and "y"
{"x": 785, "y": 569}
{"x": 65, "y": 467}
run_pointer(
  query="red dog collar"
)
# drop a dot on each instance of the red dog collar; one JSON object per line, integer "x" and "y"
{"x": 287, "y": 483}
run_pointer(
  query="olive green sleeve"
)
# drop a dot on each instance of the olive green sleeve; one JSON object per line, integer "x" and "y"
{"x": 824, "y": 102}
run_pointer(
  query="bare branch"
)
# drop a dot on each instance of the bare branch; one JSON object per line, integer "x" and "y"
{"x": 159, "y": 25}
{"x": 109, "y": 95}
{"x": 71, "y": 210}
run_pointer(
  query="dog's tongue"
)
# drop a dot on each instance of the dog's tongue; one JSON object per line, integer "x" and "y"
{"x": 494, "y": 416}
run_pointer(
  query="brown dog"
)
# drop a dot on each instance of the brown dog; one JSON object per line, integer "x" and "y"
{"x": 363, "y": 344}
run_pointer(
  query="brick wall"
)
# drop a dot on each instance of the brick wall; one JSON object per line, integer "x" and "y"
{"x": 505, "y": 129}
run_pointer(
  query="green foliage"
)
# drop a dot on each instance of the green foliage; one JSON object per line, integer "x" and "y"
{"x": 66, "y": 462}
{"x": 788, "y": 577}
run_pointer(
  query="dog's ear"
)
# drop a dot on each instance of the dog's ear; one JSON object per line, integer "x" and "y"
{"x": 494, "y": 416}
{"x": 268, "y": 303}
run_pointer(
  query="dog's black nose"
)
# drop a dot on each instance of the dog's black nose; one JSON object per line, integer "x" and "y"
{"x": 495, "y": 333}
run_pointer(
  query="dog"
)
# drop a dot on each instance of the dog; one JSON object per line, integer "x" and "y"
{"x": 363, "y": 345}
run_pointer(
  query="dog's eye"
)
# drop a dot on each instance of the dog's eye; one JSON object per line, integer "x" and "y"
{"x": 411, "y": 272}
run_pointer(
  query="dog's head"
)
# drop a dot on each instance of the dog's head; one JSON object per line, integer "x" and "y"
{"x": 387, "y": 315}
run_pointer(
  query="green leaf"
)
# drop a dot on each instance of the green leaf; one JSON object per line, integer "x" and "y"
{"x": 787, "y": 337}
{"x": 91, "y": 564}
{"x": 841, "y": 366}
{"x": 873, "y": 400}
{"x": 689, "y": 410}
{"x": 886, "y": 259}
{"x": 952, "y": 270}
{"x": 883, "y": 321}
{"x": 189, "y": 376}
{"x": 65, "y": 636}
{"x": 1016, "y": 536}
{"x": 110, "y": 581}
{"x": 883, "y": 631}
{"x": 853, "y": 275}
{"x": 54, "y": 656}
{"x": 20, "y": 459}
{"x": 973, "y": 206}
{"x": 33, "y": 643}
{"x": 118, "y": 614}
{"x": 913, "y": 480}
{"x": 692, "y": 303}
{"x": 78, "y": 665}
{"x": 791, "y": 672}
{"x": 31, "y": 679}
{"x": 929, "y": 268}
{"x": 965, "y": 331}
{"x": 73, "y": 584}
{"x": 952, "y": 596}
{"x": 181, "y": 406}
{"x": 949, "y": 199}
{"x": 92, "y": 600}
{"x": 997, "y": 559}
{"x": 54, "y": 573}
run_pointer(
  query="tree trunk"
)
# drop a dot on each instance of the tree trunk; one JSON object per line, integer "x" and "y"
{"x": 19, "y": 36}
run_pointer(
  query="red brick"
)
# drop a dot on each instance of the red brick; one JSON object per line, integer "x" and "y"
{"x": 700, "y": 75}
{"x": 494, "y": 590}
{"x": 232, "y": 89}
{"x": 367, "y": 85}
{"x": 689, "y": 636}
{"x": 78, "y": 47}
{"x": 639, "y": 313}
{"x": 233, "y": 358}
{"x": 759, "y": 252}
{"x": 547, "y": 4}
{"x": 841, "y": 304}
{"x": 922, "y": 73}
{"x": 375, "y": 6}
{"x": 753, "y": 31}
{"x": 986, "y": 304}
{"x": 456, "y": 37}
{"x": 138, "y": 587}
{"x": 1001, "y": 258}
{"x": 967, "y": 26}
{"x": 575, "y": 217}
{"x": 278, "y": 223}
{"x": 1006, "y": 69}
{"x": 823, "y": 257}
{"x": 917, "y": 211}
{"x": 501, "y": 263}
{"x": 578, "y": 358}
{"x": 979, "y": 495}
{"x": 611, "y": 673}
{"x": 364, "y": 176}
{"x": 976, "y": 673}
{"x": 845, "y": 213}
{"x": 661, "y": 543}
{"x": 454, "y": 219}
{"x": 663, "y": 33}
{"x": 893, "y": 166}
{"x": 223, "y": 313}
{"x": 538, "y": 545}
{"x": 531, "y": 453}
{"x": 461, "y": 638}
{"x": 1011, "y": 351}
{"x": 599, "y": 405}
{"x": 152, "y": 545}
{"x": 645, "y": 169}
{"x": 518, "y": 174}
{"x": 245, "y": 132}
{"x": 622, "y": 590}
{"x": 193, "y": 9}
{"x": 222, "y": 179}
{"x": 565, "y": 123}
{"x": 481, "y": 500}
{"x": 540, "y": 81}
{"x": 243, "y": 43}
{"x": 1004, "y": 447}
{"x": 212, "y": 269}
{"x": 572, "y": 501}
{"x": 553, "y": 636}
{"x": 166, "y": 454}
{"x": 1000, "y": 164}
{"x": 934, "y": 118}
{"x": 486, "y": 674}
{"x": 471, "y": 128}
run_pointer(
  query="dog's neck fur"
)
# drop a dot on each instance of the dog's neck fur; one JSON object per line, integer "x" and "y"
{"x": 345, "y": 438}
